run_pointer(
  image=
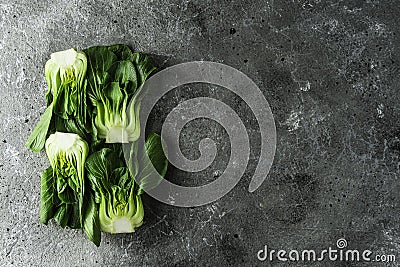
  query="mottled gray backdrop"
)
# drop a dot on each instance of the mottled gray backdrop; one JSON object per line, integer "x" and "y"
{"x": 330, "y": 71}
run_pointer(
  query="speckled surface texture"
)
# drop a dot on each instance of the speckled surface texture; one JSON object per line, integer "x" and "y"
{"x": 330, "y": 71}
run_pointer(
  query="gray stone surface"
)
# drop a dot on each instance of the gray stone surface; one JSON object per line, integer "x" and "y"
{"x": 330, "y": 71}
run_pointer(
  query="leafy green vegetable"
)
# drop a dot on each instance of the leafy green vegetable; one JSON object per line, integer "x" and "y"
{"x": 37, "y": 138}
{"x": 120, "y": 209}
{"x": 48, "y": 199}
{"x": 114, "y": 75}
{"x": 67, "y": 153}
{"x": 148, "y": 179}
{"x": 120, "y": 205}
{"x": 66, "y": 95}
{"x": 91, "y": 224}
{"x": 65, "y": 73}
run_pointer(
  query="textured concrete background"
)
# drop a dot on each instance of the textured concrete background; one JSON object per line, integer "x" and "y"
{"x": 330, "y": 71}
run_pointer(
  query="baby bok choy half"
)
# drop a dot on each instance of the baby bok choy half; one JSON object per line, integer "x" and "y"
{"x": 120, "y": 208}
{"x": 63, "y": 182}
{"x": 115, "y": 75}
{"x": 66, "y": 97}
{"x": 118, "y": 196}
